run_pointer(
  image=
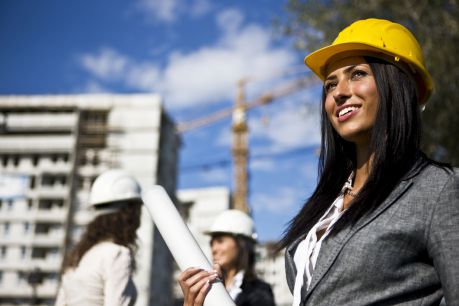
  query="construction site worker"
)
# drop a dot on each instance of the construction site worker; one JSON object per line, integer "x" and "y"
{"x": 98, "y": 270}
{"x": 382, "y": 226}
{"x": 232, "y": 243}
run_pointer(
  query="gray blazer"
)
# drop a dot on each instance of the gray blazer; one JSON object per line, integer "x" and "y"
{"x": 406, "y": 252}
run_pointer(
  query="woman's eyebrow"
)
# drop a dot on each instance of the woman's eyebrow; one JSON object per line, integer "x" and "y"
{"x": 346, "y": 71}
{"x": 350, "y": 68}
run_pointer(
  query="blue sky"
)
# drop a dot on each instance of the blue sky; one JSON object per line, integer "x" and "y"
{"x": 193, "y": 53}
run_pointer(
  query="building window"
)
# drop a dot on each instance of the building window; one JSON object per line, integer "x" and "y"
{"x": 40, "y": 252}
{"x": 3, "y": 252}
{"x": 26, "y": 227}
{"x": 6, "y": 228}
{"x": 32, "y": 182}
{"x": 42, "y": 228}
{"x": 29, "y": 204}
{"x": 9, "y": 205}
{"x": 16, "y": 161}
{"x": 54, "y": 158}
{"x": 21, "y": 278}
{"x": 23, "y": 252}
{"x": 45, "y": 204}
{"x": 35, "y": 160}
{"x": 5, "y": 160}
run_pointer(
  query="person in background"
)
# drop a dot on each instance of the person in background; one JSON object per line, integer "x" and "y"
{"x": 382, "y": 226}
{"x": 98, "y": 270}
{"x": 232, "y": 242}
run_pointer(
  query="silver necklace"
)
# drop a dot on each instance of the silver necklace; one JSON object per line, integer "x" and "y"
{"x": 349, "y": 192}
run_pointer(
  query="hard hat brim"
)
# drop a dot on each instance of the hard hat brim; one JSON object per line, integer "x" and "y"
{"x": 128, "y": 198}
{"x": 216, "y": 233}
{"x": 110, "y": 207}
{"x": 319, "y": 60}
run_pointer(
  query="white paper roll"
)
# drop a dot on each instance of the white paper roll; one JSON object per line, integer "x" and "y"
{"x": 181, "y": 242}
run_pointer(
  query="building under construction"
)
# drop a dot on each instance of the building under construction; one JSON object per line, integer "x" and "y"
{"x": 51, "y": 150}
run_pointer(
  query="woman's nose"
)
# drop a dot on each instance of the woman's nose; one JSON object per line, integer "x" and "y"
{"x": 342, "y": 92}
{"x": 213, "y": 249}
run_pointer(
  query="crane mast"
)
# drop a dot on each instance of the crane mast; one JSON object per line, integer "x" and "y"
{"x": 240, "y": 139}
{"x": 240, "y": 147}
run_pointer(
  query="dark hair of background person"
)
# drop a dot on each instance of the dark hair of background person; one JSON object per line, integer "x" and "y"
{"x": 395, "y": 142}
{"x": 119, "y": 227}
{"x": 246, "y": 255}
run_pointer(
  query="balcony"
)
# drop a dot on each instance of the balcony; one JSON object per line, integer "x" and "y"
{"x": 46, "y": 122}
{"x": 36, "y": 144}
{"x": 51, "y": 215}
{"x": 52, "y": 192}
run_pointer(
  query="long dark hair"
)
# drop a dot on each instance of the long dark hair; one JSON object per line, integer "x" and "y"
{"x": 246, "y": 259}
{"x": 119, "y": 227}
{"x": 395, "y": 141}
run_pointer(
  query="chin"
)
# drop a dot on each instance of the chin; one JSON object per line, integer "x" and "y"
{"x": 356, "y": 136}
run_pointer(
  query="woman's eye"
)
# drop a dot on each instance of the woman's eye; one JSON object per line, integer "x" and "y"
{"x": 329, "y": 86}
{"x": 358, "y": 73}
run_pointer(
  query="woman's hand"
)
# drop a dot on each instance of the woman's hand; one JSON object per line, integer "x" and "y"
{"x": 195, "y": 284}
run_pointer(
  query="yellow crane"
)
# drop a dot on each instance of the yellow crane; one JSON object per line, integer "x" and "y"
{"x": 240, "y": 142}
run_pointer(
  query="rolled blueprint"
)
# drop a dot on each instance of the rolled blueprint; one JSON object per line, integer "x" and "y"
{"x": 181, "y": 242}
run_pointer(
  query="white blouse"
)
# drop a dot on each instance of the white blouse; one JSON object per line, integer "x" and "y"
{"x": 307, "y": 252}
{"x": 235, "y": 289}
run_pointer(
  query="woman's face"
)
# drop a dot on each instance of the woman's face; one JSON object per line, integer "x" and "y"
{"x": 224, "y": 251}
{"x": 351, "y": 98}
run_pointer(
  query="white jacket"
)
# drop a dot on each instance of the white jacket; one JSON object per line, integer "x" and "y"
{"x": 103, "y": 278}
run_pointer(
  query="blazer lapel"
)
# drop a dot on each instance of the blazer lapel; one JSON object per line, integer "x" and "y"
{"x": 335, "y": 243}
{"x": 290, "y": 267}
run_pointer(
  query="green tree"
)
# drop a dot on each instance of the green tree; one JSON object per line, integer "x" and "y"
{"x": 435, "y": 23}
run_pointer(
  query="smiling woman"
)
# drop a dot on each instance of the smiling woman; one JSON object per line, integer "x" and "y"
{"x": 382, "y": 226}
{"x": 351, "y": 100}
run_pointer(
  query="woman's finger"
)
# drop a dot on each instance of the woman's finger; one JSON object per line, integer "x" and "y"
{"x": 190, "y": 273}
{"x": 202, "y": 294}
{"x": 195, "y": 284}
{"x": 198, "y": 291}
{"x": 218, "y": 270}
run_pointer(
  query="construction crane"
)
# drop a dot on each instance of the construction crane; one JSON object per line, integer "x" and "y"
{"x": 240, "y": 142}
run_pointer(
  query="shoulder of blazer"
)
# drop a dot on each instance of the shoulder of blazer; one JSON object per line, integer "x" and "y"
{"x": 255, "y": 292}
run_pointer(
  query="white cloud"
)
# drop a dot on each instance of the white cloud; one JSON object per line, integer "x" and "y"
{"x": 216, "y": 176}
{"x": 94, "y": 87}
{"x": 230, "y": 21}
{"x": 144, "y": 76}
{"x": 288, "y": 127}
{"x": 107, "y": 64}
{"x": 200, "y": 7}
{"x": 224, "y": 137}
{"x": 160, "y": 10}
{"x": 283, "y": 200}
{"x": 264, "y": 164}
{"x": 204, "y": 76}
{"x": 169, "y": 11}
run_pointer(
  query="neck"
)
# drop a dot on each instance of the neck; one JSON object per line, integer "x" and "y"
{"x": 362, "y": 171}
{"x": 229, "y": 276}
{"x": 363, "y": 167}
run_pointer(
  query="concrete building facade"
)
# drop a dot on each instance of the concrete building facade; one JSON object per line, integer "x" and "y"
{"x": 51, "y": 150}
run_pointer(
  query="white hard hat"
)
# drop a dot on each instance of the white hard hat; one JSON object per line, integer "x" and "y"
{"x": 114, "y": 186}
{"x": 233, "y": 222}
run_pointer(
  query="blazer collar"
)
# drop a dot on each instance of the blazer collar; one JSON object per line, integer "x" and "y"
{"x": 335, "y": 243}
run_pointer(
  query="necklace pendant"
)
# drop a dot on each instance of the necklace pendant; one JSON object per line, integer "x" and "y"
{"x": 352, "y": 194}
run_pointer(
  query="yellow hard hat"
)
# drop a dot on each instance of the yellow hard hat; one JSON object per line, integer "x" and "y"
{"x": 381, "y": 38}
